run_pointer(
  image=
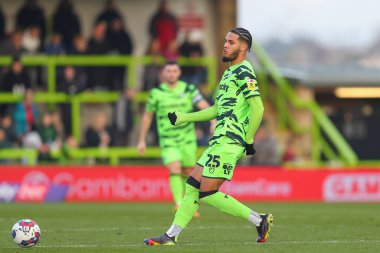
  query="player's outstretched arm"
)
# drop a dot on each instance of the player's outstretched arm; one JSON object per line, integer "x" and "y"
{"x": 145, "y": 125}
{"x": 177, "y": 118}
{"x": 255, "y": 116}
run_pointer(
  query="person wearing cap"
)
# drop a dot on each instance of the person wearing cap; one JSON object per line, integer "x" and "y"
{"x": 238, "y": 110}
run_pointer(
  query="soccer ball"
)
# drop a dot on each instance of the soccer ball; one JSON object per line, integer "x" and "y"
{"x": 26, "y": 233}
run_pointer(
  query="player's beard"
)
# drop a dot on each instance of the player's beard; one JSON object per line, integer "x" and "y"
{"x": 232, "y": 57}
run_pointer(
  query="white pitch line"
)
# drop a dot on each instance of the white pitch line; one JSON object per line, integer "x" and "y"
{"x": 200, "y": 244}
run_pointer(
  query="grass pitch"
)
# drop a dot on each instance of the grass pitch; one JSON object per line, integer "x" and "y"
{"x": 298, "y": 227}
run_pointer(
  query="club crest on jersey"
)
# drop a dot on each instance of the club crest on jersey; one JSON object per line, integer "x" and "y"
{"x": 251, "y": 84}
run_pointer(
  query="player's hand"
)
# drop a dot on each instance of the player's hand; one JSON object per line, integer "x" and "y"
{"x": 141, "y": 146}
{"x": 250, "y": 149}
{"x": 172, "y": 117}
{"x": 176, "y": 118}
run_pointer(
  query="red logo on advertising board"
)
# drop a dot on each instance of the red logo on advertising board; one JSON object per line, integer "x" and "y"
{"x": 361, "y": 187}
{"x": 34, "y": 187}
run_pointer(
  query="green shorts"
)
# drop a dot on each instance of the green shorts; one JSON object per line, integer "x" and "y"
{"x": 185, "y": 154}
{"x": 219, "y": 160}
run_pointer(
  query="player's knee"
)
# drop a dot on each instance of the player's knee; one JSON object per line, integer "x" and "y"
{"x": 187, "y": 171}
{"x": 174, "y": 168}
{"x": 205, "y": 194}
{"x": 193, "y": 182}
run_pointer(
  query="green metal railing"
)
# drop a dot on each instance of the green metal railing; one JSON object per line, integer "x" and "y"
{"x": 340, "y": 150}
{"x": 131, "y": 62}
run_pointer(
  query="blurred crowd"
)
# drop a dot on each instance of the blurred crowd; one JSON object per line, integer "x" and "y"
{"x": 48, "y": 128}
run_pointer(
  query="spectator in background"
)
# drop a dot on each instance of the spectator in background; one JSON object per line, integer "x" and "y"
{"x": 8, "y": 128}
{"x": 4, "y": 142}
{"x": 55, "y": 46}
{"x": 2, "y": 24}
{"x": 172, "y": 52}
{"x": 79, "y": 45}
{"x": 120, "y": 44}
{"x": 66, "y": 23}
{"x": 31, "y": 44}
{"x": 58, "y": 125}
{"x": 16, "y": 80}
{"x": 290, "y": 150}
{"x": 80, "y": 48}
{"x": 123, "y": 118}
{"x": 25, "y": 115}
{"x": 98, "y": 45}
{"x": 49, "y": 136}
{"x": 163, "y": 26}
{"x": 13, "y": 45}
{"x": 31, "y": 41}
{"x": 151, "y": 74}
{"x": 108, "y": 14}
{"x": 99, "y": 134}
{"x": 192, "y": 48}
{"x": 71, "y": 85}
{"x": 32, "y": 15}
{"x": 267, "y": 147}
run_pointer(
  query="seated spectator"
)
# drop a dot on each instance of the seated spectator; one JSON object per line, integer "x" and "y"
{"x": 49, "y": 136}
{"x": 32, "y": 140}
{"x": 66, "y": 23}
{"x": 58, "y": 125}
{"x": 79, "y": 45}
{"x": 32, "y": 44}
{"x": 69, "y": 144}
{"x": 267, "y": 146}
{"x": 290, "y": 151}
{"x": 171, "y": 53}
{"x": 151, "y": 74}
{"x": 163, "y": 26}
{"x": 55, "y": 46}
{"x": 99, "y": 134}
{"x": 192, "y": 48}
{"x": 31, "y": 40}
{"x": 98, "y": 45}
{"x": 108, "y": 14}
{"x": 80, "y": 48}
{"x": 71, "y": 84}
{"x": 12, "y": 45}
{"x": 32, "y": 15}
{"x": 16, "y": 80}
{"x": 120, "y": 44}
{"x": 25, "y": 115}
{"x": 4, "y": 141}
{"x": 8, "y": 128}
{"x": 123, "y": 118}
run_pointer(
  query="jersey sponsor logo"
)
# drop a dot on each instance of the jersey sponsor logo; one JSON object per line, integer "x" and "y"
{"x": 223, "y": 87}
{"x": 251, "y": 84}
{"x": 227, "y": 168}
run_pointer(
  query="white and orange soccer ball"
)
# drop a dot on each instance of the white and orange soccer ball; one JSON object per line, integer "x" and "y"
{"x": 26, "y": 233}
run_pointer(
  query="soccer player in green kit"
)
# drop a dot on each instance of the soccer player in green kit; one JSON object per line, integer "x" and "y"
{"x": 238, "y": 110}
{"x": 178, "y": 144}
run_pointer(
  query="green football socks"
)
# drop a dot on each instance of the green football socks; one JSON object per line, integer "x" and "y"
{"x": 189, "y": 206}
{"x": 227, "y": 204}
{"x": 176, "y": 187}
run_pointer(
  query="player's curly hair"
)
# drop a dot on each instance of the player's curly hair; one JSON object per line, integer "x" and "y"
{"x": 244, "y": 35}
